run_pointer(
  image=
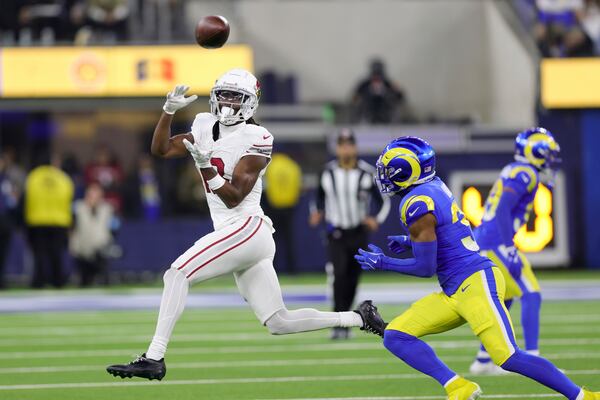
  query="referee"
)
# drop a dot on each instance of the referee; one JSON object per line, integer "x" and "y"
{"x": 351, "y": 205}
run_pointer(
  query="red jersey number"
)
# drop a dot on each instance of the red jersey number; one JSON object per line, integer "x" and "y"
{"x": 220, "y": 166}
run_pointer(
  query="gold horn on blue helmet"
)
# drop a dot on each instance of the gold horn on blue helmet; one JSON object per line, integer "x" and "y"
{"x": 537, "y": 146}
{"x": 404, "y": 162}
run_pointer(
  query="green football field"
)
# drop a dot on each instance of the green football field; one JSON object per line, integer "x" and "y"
{"x": 226, "y": 354}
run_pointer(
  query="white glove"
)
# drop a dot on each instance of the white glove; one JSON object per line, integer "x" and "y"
{"x": 176, "y": 99}
{"x": 201, "y": 157}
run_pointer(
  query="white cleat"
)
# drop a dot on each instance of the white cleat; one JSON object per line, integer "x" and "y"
{"x": 487, "y": 368}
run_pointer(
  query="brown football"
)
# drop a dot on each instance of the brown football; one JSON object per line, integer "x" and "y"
{"x": 212, "y": 31}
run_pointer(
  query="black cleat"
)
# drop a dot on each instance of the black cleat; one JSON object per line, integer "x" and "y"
{"x": 141, "y": 367}
{"x": 372, "y": 321}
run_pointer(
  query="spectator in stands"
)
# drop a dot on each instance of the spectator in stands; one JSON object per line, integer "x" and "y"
{"x": 558, "y": 31}
{"x": 283, "y": 183}
{"x": 106, "y": 171}
{"x": 47, "y": 215}
{"x": 142, "y": 191}
{"x": 42, "y": 20}
{"x": 163, "y": 20}
{"x": 9, "y": 21}
{"x": 14, "y": 172}
{"x": 102, "y": 20}
{"x": 91, "y": 235}
{"x": 190, "y": 196}
{"x": 376, "y": 98}
{"x": 590, "y": 22}
{"x": 71, "y": 167}
{"x": 9, "y": 200}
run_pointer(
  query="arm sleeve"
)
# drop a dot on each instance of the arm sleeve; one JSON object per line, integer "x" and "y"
{"x": 380, "y": 206}
{"x": 423, "y": 264}
{"x": 508, "y": 200}
{"x": 522, "y": 180}
{"x": 318, "y": 202}
{"x": 415, "y": 207}
{"x": 260, "y": 145}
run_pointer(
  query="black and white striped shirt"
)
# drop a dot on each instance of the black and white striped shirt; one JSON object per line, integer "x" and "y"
{"x": 347, "y": 196}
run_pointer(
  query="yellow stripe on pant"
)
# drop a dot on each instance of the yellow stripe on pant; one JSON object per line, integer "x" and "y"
{"x": 527, "y": 283}
{"x": 479, "y": 301}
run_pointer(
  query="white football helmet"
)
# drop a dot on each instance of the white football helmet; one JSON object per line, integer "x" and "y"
{"x": 234, "y": 97}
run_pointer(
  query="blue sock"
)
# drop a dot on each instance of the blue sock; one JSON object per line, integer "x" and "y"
{"x": 543, "y": 371}
{"x": 531, "y": 304}
{"x": 418, "y": 355}
{"x": 483, "y": 356}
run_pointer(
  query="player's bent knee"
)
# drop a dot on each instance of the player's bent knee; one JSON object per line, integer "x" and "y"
{"x": 396, "y": 341}
{"x": 515, "y": 362}
{"x": 499, "y": 357}
{"x": 277, "y": 323}
{"x": 173, "y": 275}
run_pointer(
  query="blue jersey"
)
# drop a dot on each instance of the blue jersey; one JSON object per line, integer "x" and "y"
{"x": 523, "y": 179}
{"x": 458, "y": 254}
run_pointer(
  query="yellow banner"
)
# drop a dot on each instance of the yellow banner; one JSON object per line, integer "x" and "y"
{"x": 134, "y": 71}
{"x": 570, "y": 83}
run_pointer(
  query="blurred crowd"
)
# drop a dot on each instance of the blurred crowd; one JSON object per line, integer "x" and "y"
{"x": 47, "y": 22}
{"x": 63, "y": 208}
{"x": 563, "y": 28}
{"x": 59, "y": 206}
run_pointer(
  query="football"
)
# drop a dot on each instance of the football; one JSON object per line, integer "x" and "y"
{"x": 212, "y": 31}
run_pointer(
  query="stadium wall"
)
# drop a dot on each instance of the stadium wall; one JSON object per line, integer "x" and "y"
{"x": 150, "y": 247}
{"x": 455, "y": 58}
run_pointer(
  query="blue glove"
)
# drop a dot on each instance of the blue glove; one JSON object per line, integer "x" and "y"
{"x": 370, "y": 260}
{"x": 399, "y": 244}
{"x": 509, "y": 255}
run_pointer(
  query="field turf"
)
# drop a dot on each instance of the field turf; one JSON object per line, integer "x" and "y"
{"x": 226, "y": 354}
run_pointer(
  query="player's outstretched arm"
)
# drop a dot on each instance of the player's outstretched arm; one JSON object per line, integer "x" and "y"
{"x": 244, "y": 177}
{"x": 424, "y": 246}
{"x": 163, "y": 145}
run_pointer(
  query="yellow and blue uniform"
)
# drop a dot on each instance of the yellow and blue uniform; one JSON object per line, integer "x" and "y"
{"x": 457, "y": 252}
{"x": 522, "y": 179}
{"x": 473, "y": 288}
{"x": 507, "y": 208}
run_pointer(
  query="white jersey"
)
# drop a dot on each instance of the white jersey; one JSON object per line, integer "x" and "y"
{"x": 233, "y": 143}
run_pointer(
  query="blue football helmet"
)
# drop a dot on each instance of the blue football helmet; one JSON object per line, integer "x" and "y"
{"x": 537, "y": 146}
{"x": 404, "y": 162}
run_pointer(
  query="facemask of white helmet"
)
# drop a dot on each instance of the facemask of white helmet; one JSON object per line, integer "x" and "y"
{"x": 232, "y": 106}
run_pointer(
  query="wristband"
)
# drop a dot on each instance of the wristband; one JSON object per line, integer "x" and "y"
{"x": 216, "y": 182}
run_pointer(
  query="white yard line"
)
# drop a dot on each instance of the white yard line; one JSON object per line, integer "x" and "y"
{"x": 79, "y": 385}
{"x": 287, "y": 379}
{"x": 556, "y": 323}
{"x": 106, "y": 328}
{"x": 213, "y": 364}
{"x": 74, "y": 338}
{"x": 491, "y": 396}
{"x": 276, "y": 348}
{"x": 274, "y": 363}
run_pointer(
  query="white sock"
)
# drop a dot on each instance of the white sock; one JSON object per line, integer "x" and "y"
{"x": 581, "y": 395}
{"x": 308, "y": 319}
{"x": 350, "y": 319}
{"x": 171, "y": 306}
{"x": 533, "y": 352}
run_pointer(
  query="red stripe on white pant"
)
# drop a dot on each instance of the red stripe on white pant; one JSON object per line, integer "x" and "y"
{"x": 215, "y": 243}
{"x": 228, "y": 250}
